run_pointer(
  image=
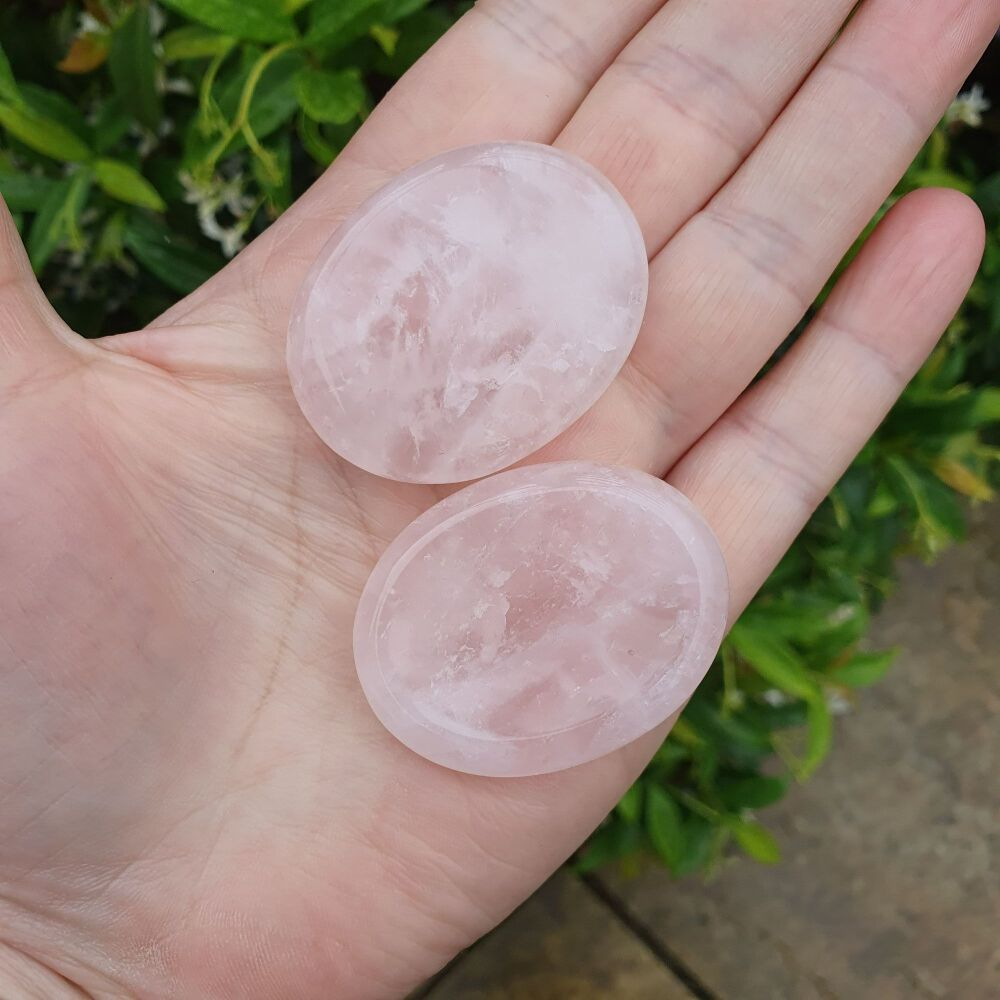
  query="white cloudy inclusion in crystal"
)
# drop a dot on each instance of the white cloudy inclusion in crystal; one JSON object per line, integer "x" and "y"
{"x": 541, "y": 618}
{"x": 468, "y": 313}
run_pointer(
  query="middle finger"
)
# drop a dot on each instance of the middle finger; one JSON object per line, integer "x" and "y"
{"x": 739, "y": 275}
{"x": 691, "y": 95}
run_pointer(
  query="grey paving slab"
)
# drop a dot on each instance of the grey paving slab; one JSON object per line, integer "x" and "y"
{"x": 564, "y": 944}
{"x": 891, "y": 883}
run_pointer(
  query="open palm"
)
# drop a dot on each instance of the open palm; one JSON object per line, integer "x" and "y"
{"x": 195, "y": 800}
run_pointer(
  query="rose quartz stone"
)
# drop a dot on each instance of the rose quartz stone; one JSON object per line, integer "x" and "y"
{"x": 541, "y": 618}
{"x": 468, "y": 313}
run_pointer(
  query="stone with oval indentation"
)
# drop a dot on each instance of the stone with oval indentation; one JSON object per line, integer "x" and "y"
{"x": 468, "y": 313}
{"x": 541, "y": 618}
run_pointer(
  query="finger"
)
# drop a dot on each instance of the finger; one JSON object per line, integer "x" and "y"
{"x": 691, "y": 95}
{"x": 30, "y": 329}
{"x": 765, "y": 466}
{"x": 760, "y": 472}
{"x": 509, "y": 69}
{"x": 739, "y": 276}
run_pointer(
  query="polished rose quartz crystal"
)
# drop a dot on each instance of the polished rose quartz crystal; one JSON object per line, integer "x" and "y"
{"x": 541, "y": 618}
{"x": 468, "y": 313}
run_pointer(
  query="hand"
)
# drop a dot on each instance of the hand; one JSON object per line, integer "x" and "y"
{"x": 195, "y": 799}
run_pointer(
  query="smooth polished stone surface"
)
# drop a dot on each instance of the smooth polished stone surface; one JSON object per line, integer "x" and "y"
{"x": 541, "y": 618}
{"x": 468, "y": 313}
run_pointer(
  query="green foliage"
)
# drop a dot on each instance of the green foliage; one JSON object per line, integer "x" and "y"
{"x": 143, "y": 144}
{"x": 9, "y": 91}
{"x": 42, "y": 134}
{"x": 331, "y": 98}
{"x": 251, "y": 20}
{"x": 763, "y": 715}
{"x": 58, "y": 218}
{"x": 132, "y": 63}
{"x": 665, "y": 826}
{"x": 126, "y": 184}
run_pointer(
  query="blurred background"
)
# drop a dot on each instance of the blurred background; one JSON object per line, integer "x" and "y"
{"x": 822, "y": 821}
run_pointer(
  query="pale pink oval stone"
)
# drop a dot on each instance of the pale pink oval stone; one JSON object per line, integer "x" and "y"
{"x": 541, "y": 618}
{"x": 468, "y": 313}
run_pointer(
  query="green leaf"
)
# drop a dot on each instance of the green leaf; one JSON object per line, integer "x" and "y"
{"x": 988, "y": 194}
{"x": 668, "y": 757}
{"x": 630, "y": 805}
{"x": 962, "y": 479}
{"x": 194, "y": 42}
{"x": 9, "y": 90}
{"x": 125, "y": 183}
{"x": 331, "y": 98}
{"x": 612, "y": 841}
{"x": 776, "y": 717}
{"x": 664, "y": 825}
{"x": 418, "y": 34}
{"x": 111, "y": 122}
{"x": 819, "y": 737}
{"x": 939, "y": 177}
{"x": 923, "y": 415}
{"x": 274, "y": 102}
{"x": 702, "y": 842}
{"x": 110, "y": 243}
{"x": 314, "y": 142}
{"x": 57, "y": 219}
{"x": 330, "y": 17}
{"x": 43, "y": 135}
{"x": 277, "y": 189}
{"x": 740, "y": 742}
{"x": 132, "y": 63}
{"x": 396, "y": 10}
{"x": 755, "y": 841}
{"x": 385, "y": 38}
{"x": 342, "y": 21}
{"x": 883, "y": 502}
{"x": 773, "y": 658}
{"x": 864, "y": 669}
{"x": 52, "y": 105}
{"x": 940, "y": 515}
{"x": 24, "y": 192}
{"x": 252, "y": 20}
{"x": 173, "y": 260}
{"x": 754, "y": 791}
{"x": 986, "y": 406}
{"x": 810, "y": 619}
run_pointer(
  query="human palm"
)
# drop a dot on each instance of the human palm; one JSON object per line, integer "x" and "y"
{"x": 195, "y": 799}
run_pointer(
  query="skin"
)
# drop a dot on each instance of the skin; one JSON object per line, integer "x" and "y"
{"x": 195, "y": 800}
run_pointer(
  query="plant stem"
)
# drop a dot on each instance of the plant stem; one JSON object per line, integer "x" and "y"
{"x": 209, "y": 113}
{"x": 241, "y": 119}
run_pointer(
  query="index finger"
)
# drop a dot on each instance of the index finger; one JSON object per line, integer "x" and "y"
{"x": 509, "y": 69}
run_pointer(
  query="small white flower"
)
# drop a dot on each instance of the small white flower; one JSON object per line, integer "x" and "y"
{"x": 177, "y": 85}
{"x": 230, "y": 238}
{"x": 217, "y": 194}
{"x": 775, "y": 698}
{"x": 148, "y": 141}
{"x": 87, "y": 24}
{"x": 838, "y": 704}
{"x": 157, "y": 19}
{"x": 968, "y": 108}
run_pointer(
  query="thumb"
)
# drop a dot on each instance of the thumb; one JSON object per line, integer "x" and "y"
{"x": 31, "y": 331}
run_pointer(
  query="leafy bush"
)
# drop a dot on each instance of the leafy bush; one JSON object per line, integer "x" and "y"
{"x": 146, "y": 143}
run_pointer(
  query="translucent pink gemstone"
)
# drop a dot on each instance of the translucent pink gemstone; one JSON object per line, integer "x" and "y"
{"x": 541, "y": 618}
{"x": 468, "y": 313}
